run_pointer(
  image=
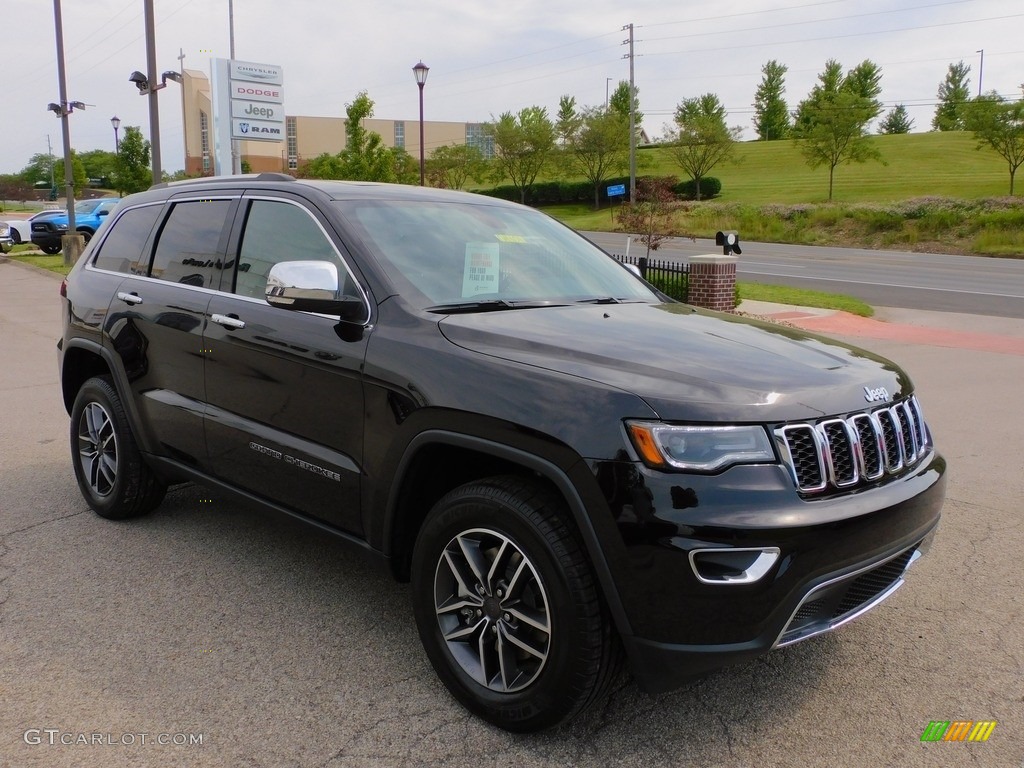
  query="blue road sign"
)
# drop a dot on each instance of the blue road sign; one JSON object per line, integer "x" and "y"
{"x": 616, "y": 190}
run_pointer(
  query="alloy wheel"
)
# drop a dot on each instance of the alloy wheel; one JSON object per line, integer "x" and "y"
{"x": 97, "y": 448}
{"x": 492, "y": 610}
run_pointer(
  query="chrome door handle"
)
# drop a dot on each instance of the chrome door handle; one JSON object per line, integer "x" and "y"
{"x": 129, "y": 298}
{"x": 231, "y": 323}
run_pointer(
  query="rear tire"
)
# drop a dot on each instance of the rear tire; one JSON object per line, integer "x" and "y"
{"x": 508, "y": 608}
{"x": 111, "y": 473}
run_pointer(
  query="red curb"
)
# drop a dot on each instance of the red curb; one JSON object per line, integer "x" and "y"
{"x": 845, "y": 324}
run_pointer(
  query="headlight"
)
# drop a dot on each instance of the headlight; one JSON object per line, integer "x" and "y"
{"x": 4, "y": 230}
{"x": 700, "y": 448}
{"x": 62, "y": 226}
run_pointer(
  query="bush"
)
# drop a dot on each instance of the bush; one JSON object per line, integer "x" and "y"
{"x": 709, "y": 187}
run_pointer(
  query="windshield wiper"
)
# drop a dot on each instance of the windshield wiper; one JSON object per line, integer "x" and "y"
{"x": 486, "y": 305}
{"x": 600, "y": 300}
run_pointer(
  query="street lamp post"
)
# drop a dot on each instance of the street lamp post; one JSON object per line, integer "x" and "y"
{"x": 115, "y": 121}
{"x": 420, "y": 73}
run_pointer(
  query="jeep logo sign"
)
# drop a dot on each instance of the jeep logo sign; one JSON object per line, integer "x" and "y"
{"x": 255, "y": 110}
{"x": 876, "y": 395}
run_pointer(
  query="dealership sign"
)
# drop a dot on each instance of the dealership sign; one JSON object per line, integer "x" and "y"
{"x": 257, "y": 95}
{"x": 248, "y": 104}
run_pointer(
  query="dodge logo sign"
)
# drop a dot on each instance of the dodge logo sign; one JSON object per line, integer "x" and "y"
{"x": 876, "y": 394}
{"x": 244, "y": 128}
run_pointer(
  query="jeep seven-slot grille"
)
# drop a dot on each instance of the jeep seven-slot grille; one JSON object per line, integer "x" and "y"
{"x": 846, "y": 451}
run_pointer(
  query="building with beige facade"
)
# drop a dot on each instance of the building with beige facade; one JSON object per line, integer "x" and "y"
{"x": 306, "y": 137}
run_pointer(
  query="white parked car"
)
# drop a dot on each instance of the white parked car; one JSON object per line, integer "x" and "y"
{"x": 21, "y": 229}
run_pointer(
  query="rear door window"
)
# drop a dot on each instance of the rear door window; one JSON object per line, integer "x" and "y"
{"x": 189, "y": 247}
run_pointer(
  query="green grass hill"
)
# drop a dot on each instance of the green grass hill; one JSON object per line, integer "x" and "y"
{"x": 918, "y": 164}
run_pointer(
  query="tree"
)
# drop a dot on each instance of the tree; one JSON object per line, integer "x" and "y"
{"x": 133, "y": 171}
{"x": 700, "y": 139}
{"x": 13, "y": 187}
{"x": 452, "y": 165}
{"x": 597, "y": 146}
{"x": 619, "y": 102}
{"x": 771, "y": 117}
{"x": 568, "y": 118}
{"x": 830, "y": 80}
{"x": 100, "y": 164}
{"x": 954, "y": 99}
{"x": 523, "y": 145}
{"x": 999, "y": 125}
{"x": 650, "y": 215}
{"x": 837, "y": 133}
{"x": 38, "y": 169}
{"x": 365, "y": 157}
{"x": 865, "y": 81}
{"x": 77, "y": 173}
{"x": 897, "y": 121}
{"x": 323, "y": 166}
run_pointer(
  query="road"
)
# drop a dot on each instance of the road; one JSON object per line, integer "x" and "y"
{"x": 280, "y": 650}
{"x": 941, "y": 282}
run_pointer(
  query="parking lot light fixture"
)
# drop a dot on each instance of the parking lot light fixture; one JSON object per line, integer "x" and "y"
{"x": 115, "y": 121}
{"x": 420, "y": 73}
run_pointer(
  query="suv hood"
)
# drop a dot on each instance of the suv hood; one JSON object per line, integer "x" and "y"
{"x": 686, "y": 363}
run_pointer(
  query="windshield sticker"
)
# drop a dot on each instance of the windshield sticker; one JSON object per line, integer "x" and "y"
{"x": 481, "y": 272}
{"x": 511, "y": 238}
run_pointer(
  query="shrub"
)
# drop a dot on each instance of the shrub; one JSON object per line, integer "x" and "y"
{"x": 709, "y": 187}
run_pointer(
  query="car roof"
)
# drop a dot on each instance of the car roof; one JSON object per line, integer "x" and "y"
{"x": 335, "y": 190}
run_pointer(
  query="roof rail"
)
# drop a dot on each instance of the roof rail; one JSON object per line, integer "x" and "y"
{"x": 265, "y": 176}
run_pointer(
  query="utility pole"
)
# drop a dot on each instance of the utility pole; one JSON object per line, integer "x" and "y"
{"x": 154, "y": 107}
{"x": 981, "y": 69}
{"x": 632, "y": 116}
{"x": 71, "y": 249}
{"x": 49, "y": 151}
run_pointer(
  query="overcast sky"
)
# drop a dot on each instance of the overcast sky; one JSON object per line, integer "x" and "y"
{"x": 486, "y": 58}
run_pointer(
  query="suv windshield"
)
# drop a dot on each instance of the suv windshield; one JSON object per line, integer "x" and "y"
{"x": 440, "y": 253}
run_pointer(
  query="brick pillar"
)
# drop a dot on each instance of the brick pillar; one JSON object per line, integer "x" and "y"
{"x": 713, "y": 282}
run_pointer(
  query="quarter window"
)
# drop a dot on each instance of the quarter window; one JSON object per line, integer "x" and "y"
{"x": 187, "y": 251}
{"x": 122, "y": 249}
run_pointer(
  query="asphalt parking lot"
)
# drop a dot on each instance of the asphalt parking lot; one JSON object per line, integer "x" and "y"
{"x": 207, "y": 634}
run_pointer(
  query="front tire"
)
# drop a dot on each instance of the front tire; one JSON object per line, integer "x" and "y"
{"x": 508, "y": 608}
{"x": 52, "y": 250}
{"x": 111, "y": 473}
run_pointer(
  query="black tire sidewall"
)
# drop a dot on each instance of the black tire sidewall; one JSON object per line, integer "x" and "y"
{"x": 117, "y": 503}
{"x": 555, "y": 694}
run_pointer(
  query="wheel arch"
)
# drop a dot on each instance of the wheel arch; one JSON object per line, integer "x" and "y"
{"x": 81, "y": 360}
{"x": 426, "y": 473}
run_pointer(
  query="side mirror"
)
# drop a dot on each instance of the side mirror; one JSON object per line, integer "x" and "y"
{"x": 103, "y": 212}
{"x": 312, "y": 286}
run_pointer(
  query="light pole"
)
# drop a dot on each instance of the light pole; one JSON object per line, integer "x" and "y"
{"x": 115, "y": 121}
{"x": 981, "y": 69}
{"x": 420, "y": 73}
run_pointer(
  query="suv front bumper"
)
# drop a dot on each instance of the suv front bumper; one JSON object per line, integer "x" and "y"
{"x": 832, "y": 559}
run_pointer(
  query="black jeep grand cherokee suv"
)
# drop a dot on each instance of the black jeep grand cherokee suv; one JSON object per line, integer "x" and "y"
{"x": 565, "y": 463}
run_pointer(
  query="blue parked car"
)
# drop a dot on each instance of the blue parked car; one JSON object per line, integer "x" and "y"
{"x": 89, "y": 216}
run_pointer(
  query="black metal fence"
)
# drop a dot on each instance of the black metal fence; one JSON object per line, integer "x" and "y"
{"x": 669, "y": 277}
